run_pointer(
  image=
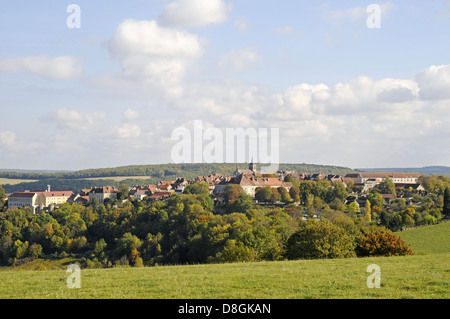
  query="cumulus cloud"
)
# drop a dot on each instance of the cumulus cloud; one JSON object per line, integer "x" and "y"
{"x": 146, "y": 37}
{"x": 434, "y": 82}
{"x": 74, "y": 119}
{"x": 58, "y": 68}
{"x": 150, "y": 53}
{"x": 194, "y": 13}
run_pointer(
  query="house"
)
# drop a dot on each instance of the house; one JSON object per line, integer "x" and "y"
{"x": 81, "y": 198}
{"x": 140, "y": 194}
{"x": 160, "y": 196}
{"x": 335, "y": 178}
{"x": 38, "y": 201}
{"x": 56, "y": 198}
{"x": 317, "y": 177}
{"x": 249, "y": 182}
{"x": 166, "y": 187}
{"x": 397, "y": 178}
{"x": 388, "y": 198}
{"x": 29, "y": 199}
{"x": 102, "y": 193}
{"x": 251, "y": 171}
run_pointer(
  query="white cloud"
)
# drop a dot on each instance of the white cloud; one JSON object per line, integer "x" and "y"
{"x": 127, "y": 131}
{"x": 9, "y": 142}
{"x": 7, "y": 138}
{"x": 155, "y": 55}
{"x": 194, "y": 13}
{"x": 58, "y": 68}
{"x": 143, "y": 37}
{"x": 238, "y": 60}
{"x": 434, "y": 82}
{"x": 73, "y": 119}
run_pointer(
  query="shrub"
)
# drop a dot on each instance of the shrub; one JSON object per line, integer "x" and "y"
{"x": 382, "y": 244}
{"x": 319, "y": 239}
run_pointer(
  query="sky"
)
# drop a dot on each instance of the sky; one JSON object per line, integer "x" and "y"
{"x": 105, "y": 83}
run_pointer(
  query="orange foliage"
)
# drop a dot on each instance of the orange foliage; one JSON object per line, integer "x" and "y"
{"x": 382, "y": 244}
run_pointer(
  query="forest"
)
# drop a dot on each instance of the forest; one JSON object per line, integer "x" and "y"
{"x": 191, "y": 228}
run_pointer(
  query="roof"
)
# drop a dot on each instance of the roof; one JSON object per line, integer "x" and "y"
{"x": 392, "y": 175}
{"x": 104, "y": 189}
{"x": 23, "y": 194}
{"x": 261, "y": 181}
{"x": 352, "y": 175}
{"x": 58, "y": 194}
{"x": 160, "y": 195}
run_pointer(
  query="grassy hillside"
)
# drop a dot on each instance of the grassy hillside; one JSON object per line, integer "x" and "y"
{"x": 401, "y": 277}
{"x": 434, "y": 239}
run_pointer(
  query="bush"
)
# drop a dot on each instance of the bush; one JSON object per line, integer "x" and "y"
{"x": 319, "y": 239}
{"x": 382, "y": 244}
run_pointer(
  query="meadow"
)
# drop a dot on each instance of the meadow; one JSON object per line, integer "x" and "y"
{"x": 425, "y": 275}
{"x": 11, "y": 181}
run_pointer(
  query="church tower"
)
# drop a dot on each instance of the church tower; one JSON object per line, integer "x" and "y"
{"x": 252, "y": 166}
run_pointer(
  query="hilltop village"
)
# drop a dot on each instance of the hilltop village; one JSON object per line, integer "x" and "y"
{"x": 249, "y": 179}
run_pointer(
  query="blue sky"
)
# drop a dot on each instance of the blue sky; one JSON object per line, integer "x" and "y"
{"x": 111, "y": 92}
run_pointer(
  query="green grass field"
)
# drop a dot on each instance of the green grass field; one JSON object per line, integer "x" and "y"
{"x": 424, "y": 275}
{"x": 434, "y": 239}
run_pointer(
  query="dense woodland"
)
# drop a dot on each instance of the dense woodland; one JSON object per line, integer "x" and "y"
{"x": 192, "y": 228}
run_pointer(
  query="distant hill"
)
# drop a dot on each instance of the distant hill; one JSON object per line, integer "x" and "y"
{"x": 136, "y": 174}
{"x": 427, "y": 170}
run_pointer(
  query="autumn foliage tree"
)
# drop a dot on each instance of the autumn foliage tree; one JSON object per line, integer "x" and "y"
{"x": 382, "y": 244}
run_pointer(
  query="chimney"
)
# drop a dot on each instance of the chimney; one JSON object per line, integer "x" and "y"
{"x": 48, "y": 188}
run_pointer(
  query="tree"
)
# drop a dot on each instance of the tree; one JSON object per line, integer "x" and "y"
{"x": 294, "y": 192}
{"x": 197, "y": 188}
{"x": 375, "y": 198}
{"x": 127, "y": 244}
{"x": 291, "y": 179}
{"x": 338, "y": 191}
{"x": 382, "y": 244}
{"x": 243, "y": 204}
{"x": 285, "y": 197}
{"x": 2, "y": 197}
{"x": 368, "y": 211}
{"x": 264, "y": 194}
{"x": 232, "y": 192}
{"x": 235, "y": 251}
{"x": 124, "y": 190}
{"x": 387, "y": 186}
{"x": 319, "y": 239}
{"x": 446, "y": 207}
{"x": 353, "y": 207}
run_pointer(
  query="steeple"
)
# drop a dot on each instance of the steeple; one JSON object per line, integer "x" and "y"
{"x": 252, "y": 166}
